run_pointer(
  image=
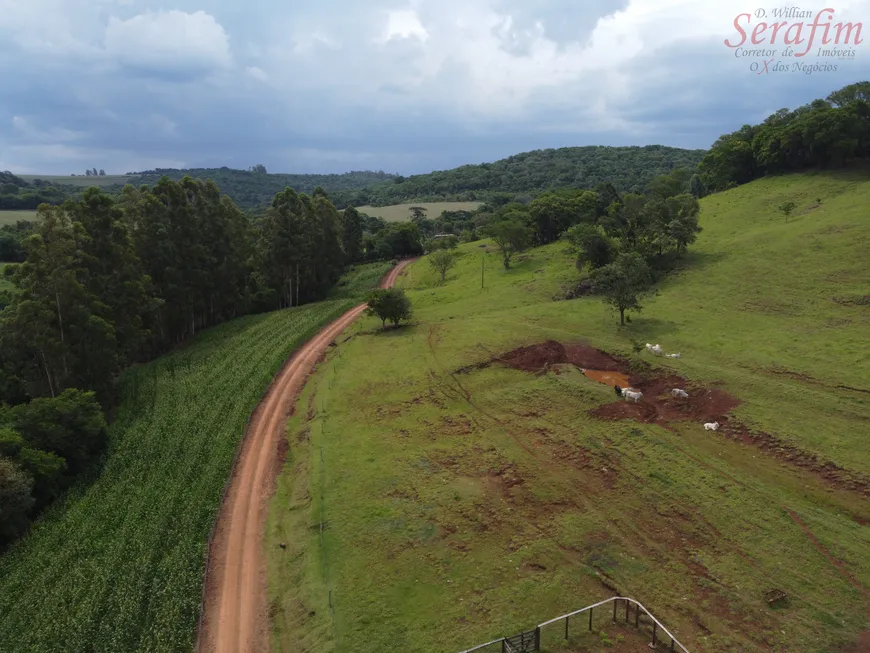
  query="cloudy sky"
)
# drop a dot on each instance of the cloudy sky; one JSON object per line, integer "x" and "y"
{"x": 403, "y": 86}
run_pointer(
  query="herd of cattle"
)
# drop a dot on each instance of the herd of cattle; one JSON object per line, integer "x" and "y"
{"x": 636, "y": 395}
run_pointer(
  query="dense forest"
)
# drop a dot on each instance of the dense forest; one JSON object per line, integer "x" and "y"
{"x": 822, "y": 134}
{"x": 629, "y": 169}
{"x": 18, "y": 195}
{"x": 106, "y": 282}
{"x": 254, "y": 189}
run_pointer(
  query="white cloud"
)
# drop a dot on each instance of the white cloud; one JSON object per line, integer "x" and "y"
{"x": 257, "y": 73}
{"x": 168, "y": 40}
{"x": 403, "y": 24}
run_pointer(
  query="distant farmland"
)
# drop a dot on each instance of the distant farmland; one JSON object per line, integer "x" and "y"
{"x": 79, "y": 180}
{"x": 400, "y": 212}
{"x": 11, "y": 217}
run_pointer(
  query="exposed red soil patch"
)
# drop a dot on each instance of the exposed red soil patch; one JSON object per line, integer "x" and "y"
{"x": 539, "y": 357}
{"x": 702, "y": 404}
{"x": 862, "y": 645}
{"x": 608, "y": 378}
{"x": 658, "y": 406}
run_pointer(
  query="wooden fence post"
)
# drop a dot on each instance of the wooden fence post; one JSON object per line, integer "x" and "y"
{"x": 590, "y": 619}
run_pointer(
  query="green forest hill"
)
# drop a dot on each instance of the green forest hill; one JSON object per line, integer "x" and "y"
{"x": 629, "y": 169}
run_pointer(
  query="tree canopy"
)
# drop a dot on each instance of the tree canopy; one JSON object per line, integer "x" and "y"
{"x": 391, "y": 305}
{"x": 825, "y": 133}
{"x": 622, "y": 282}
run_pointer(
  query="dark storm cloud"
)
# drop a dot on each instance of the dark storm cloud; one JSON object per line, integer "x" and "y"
{"x": 343, "y": 85}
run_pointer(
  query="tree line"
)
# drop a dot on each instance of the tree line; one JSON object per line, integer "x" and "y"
{"x": 826, "y": 133}
{"x": 107, "y": 282}
{"x": 18, "y": 195}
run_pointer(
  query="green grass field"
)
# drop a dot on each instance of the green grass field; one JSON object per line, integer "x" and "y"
{"x": 118, "y": 565}
{"x": 11, "y": 217}
{"x": 459, "y": 507}
{"x": 79, "y": 180}
{"x": 400, "y": 212}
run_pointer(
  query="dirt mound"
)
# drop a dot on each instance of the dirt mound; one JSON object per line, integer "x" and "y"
{"x": 702, "y": 404}
{"x": 535, "y": 358}
{"x": 659, "y": 406}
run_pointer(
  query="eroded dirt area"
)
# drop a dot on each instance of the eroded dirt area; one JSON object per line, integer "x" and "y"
{"x": 658, "y": 406}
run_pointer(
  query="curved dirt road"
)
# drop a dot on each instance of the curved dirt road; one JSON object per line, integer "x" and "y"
{"x": 235, "y": 614}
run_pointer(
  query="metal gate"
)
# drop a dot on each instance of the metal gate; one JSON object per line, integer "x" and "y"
{"x": 523, "y": 643}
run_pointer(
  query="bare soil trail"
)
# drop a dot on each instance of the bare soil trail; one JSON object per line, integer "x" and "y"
{"x": 235, "y": 609}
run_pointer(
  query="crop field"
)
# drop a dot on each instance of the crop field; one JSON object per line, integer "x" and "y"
{"x": 358, "y": 281}
{"x": 401, "y": 212}
{"x": 119, "y": 565}
{"x": 80, "y": 180}
{"x": 473, "y": 482}
{"x": 11, "y": 217}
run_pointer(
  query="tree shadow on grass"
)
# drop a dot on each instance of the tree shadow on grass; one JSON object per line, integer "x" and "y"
{"x": 391, "y": 331}
{"x": 648, "y": 328}
{"x": 695, "y": 260}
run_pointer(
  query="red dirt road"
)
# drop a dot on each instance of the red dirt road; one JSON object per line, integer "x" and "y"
{"x": 235, "y": 611}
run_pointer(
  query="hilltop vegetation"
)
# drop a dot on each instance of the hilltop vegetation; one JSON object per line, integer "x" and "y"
{"x": 19, "y": 195}
{"x": 827, "y": 133}
{"x": 472, "y": 493}
{"x": 628, "y": 169}
{"x": 254, "y": 189}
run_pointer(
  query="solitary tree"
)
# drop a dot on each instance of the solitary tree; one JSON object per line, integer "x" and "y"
{"x": 441, "y": 261}
{"x": 511, "y": 236}
{"x": 623, "y": 282}
{"x": 392, "y": 304}
{"x": 786, "y": 209}
{"x": 102, "y": 173}
{"x": 418, "y": 212}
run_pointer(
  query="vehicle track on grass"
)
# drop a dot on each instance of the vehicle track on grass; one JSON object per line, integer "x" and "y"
{"x": 235, "y": 609}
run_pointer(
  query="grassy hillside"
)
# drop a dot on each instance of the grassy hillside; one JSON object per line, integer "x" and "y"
{"x": 463, "y": 504}
{"x": 11, "y": 217}
{"x": 400, "y": 212}
{"x": 118, "y": 565}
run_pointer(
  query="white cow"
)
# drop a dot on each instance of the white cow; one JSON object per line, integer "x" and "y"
{"x": 657, "y": 349}
{"x": 672, "y": 356}
{"x": 679, "y": 393}
{"x": 711, "y": 426}
{"x": 630, "y": 394}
